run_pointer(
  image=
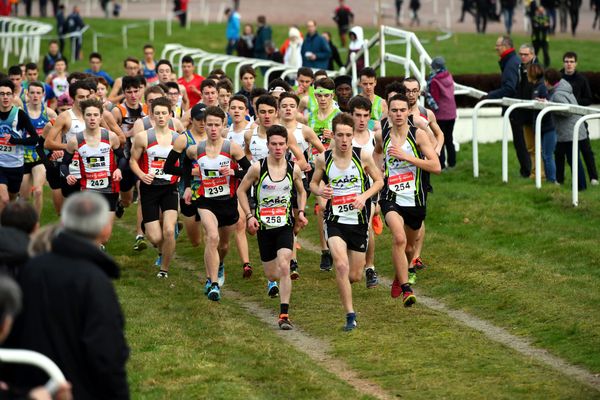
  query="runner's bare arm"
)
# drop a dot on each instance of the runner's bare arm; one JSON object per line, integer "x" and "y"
{"x": 311, "y": 137}
{"x": 108, "y": 122}
{"x": 317, "y": 174}
{"x": 437, "y": 131}
{"x": 55, "y": 134}
{"x": 114, "y": 96}
{"x": 301, "y": 160}
{"x": 140, "y": 142}
{"x": 301, "y": 192}
{"x": 431, "y": 162}
{"x": 250, "y": 179}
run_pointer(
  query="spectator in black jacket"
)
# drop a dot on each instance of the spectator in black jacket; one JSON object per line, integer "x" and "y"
{"x": 335, "y": 54}
{"x": 525, "y": 88}
{"x": 74, "y": 23}
{"x": 509, "y": 65}
{"x": 583, "y": 94}
{"x": 51, "y": 57}
{"x": 71, "y": 312}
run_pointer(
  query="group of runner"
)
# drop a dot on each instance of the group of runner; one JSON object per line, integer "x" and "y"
{"x": 235, "y": 163}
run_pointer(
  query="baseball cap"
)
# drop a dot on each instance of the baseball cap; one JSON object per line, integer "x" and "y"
{"x": 198, "y": 111}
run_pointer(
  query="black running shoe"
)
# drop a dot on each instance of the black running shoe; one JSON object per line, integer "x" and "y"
{"x": 326, "y": 261}
{"x": 120, "y": 210}
{"x": 294, "y": 273}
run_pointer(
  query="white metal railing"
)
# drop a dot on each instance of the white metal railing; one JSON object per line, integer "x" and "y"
{"x": 127, "y": 27}
{"x": 544, "y": 107}
{"x": 175, "y": 52}
{"x": 21, "y": 37}
{"x": 14, "y": 356}
{"x": 575, "y": 156}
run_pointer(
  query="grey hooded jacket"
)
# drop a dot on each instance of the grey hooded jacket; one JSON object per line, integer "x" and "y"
{"x": 563, "y": 122}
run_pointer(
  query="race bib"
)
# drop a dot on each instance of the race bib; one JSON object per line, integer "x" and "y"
{"x": 157, "y": 167}
{"x": 5, "y": 146}
{"x": 343, "y": 205}
{"x": 402, "y": 183}
{"x": 273, "y": 217}
{"x": 215, "y": 187}
{"x": 74, "y": 166}
{"x": 96, "y": 180}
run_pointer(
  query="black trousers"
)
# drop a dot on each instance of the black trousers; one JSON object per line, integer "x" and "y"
{"x": 585, "y": 146}
{"x": 565, "y": 150}
{"x": 447, "y": 126}
{"x": 520, "y": 148}
{"x": 542, "y": 45}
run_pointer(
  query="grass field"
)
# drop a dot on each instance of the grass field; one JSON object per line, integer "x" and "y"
{"x": 521, "y": 258}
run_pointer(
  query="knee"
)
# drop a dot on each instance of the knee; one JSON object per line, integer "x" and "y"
{"x": 153, "y": 238}
{"x": 224, "y": 246}
{"x": 37, "y": 192}
{"x": 195, "y": 242}
{"x": 169, "y": 232}
{"x": 399, "y": 240}
{"x": 355, "y": 276}
{"x": 342, "y": 268}
{"x": 212, "y": 239}
{"x": 409, "y": 249}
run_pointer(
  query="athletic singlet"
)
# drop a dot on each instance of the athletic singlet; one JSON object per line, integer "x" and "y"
{"x": 97, "y": 164}
{"x": 377, "y": 108}
{"x": 258, "y": 146}
{"x": 402, "y": 180}
{"x": 369, "y": 147}
{"x": 238, "y": 137}
{"x": 148, "y": 123}
{"x": 38, "y": 123}
{"x": 77, "y": 126}
{"x": 214, "y": 185}
{"x": 11, "y": 155}
{"x": 149, "y": 74}
{"x": 319, "y": 125}
{"x": 347, "y": 184}
{"x": 129, "y": 116}
{"x": 153, "y": 159}
{"x": 274, "y": 205}
{"x": 303, "y": 145}
{"x": 422, "y": 113}
{"x": 195, "y": 182}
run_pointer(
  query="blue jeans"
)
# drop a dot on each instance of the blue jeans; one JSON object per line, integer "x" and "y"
{"x": 507, "y": 14}
{"x": 548, "y": 146}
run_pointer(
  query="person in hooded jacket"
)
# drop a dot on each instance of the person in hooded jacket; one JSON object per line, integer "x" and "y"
{"x": 440, "y": 98}
{"x": 292, "y": 56}
{"x": 71, "y": 312}
{"x": 356, "y": 44}
{"x": 561, "y": 92}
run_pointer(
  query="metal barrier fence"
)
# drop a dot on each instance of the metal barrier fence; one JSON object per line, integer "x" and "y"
{"x": 21, "y": 37}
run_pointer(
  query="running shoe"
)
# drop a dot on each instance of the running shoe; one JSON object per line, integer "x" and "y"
{"x": 284, "y": 322}
{"x": 221, "y": 275}
{"x": 418, "y": 263}
{"x": 207, "y": 286}
{"x": 371, "y": 278}
{"x": 158, "y": 261}
{"x": 162, "y": 274}
{"x": 350, "y": 322}
{"x": 119, "y": 210}
{"x": 294, "y": 273}
{"x": 247, "y": 270}
{"x": 214, "y": 293}
{"x": 377, "y": 224}
{"x": 412, "y": 278}
{"x": 272, "y": 289}
{"x": 326, "y": 261}
{"x": 140, "y": 243}
{"x": 396, "y": 288}
{"x": 408, "y": 298}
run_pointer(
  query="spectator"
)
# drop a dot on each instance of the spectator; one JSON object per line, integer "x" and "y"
{"x": 357, "y": 42}
{"x": 399, "y": 12}
{"x": 508, "y": 9}
{"x": 18, "y": 221}
{"x": 574, "y": 6}
{"x": 96, "y": 68}
{"x": 190, "y": 80}
{"x": 291, "y": 49}
{"x": 245, "y": 46}
{"x": 60, "y": 26}
{"x": 315, "y": 50}
{"x": 563, "y": 13}
{"x": 550, "y": 7}
{"x": 561, "y": 92}
{"x": 583, "y": 95}
{"x": 51, "y": 57}
{"x": 71, "y": 312}
{"x": 468, "y": 6}
{"x": 181, "y": 7}
{"x": 441, "y": 100}
{"x": 74, "y": 23}
{"x": 524, "y": 117}
{"x": 540, "y": 24}
{"x": 344, "y": 18}
{"x": 535, "y": 75}
{"x": 509, "y": 65}
{"x": 483, "y": 9}
{"x": 414, "y": 7}
{"x": 264, "y": 38}
{"x": 233, "y": 29}
{"x": 596, "y": 7}
{"x": 335, "y": 54}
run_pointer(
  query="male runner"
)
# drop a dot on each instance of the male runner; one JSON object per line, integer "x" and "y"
{"x": 164, "y": 70}
{"x": 274, "y": 178}
{"x": 367, "y": 82}
{"x": 34, "y": 170}
{"x": 132, "y": 68}
{"x": 16, "y": 131}
{"x": 190, "y": 80}
{"x": 346, "y": 170}
{"x": 217, "y": 201}
{"x": 407, "y": 152}
{"x": 158, "y": 190}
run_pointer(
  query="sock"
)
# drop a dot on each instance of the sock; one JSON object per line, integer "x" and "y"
{"x": 139, "y": 237}
{"x": 406, "y": 287}
{"x": 284, "y": 308}
{"x": 325, "y": 252}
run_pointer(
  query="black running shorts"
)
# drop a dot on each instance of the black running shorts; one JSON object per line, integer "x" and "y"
{"x": 189, "y": 210}
{"x": 12, "y": 178}
{"x": 157, "y": 198}
{"x": 413, "y": 216}
{"x": 226, "y": 211}
{"x": 271, "y": 240}
{"x": 355, "y": 236}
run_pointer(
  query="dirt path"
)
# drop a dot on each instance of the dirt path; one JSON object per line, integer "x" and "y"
{"x": 497, "y": 334}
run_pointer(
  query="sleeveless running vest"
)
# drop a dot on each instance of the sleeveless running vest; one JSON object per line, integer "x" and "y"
{"x": 129, "y": 116}
{"x": 77, "y": 126}
{"x": 11, "y": 155}
{"x": 347, "y": 184}
{"x": 149, "y": 74}
{"x": 319, "y": 125}
{"x": 153, "y": 159}
{"x": 214, "y": 185}
{"x": 196, "y": 182}
{"x": 238, "y": 137}
{"x": 38, "y": 123}
{"x": 97, "y": 164}
{"x": 148, "y": 123}
{"x": 274, "y": 205}
{"x": 258, "y": 146}
{"x": 403, "y": 183}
